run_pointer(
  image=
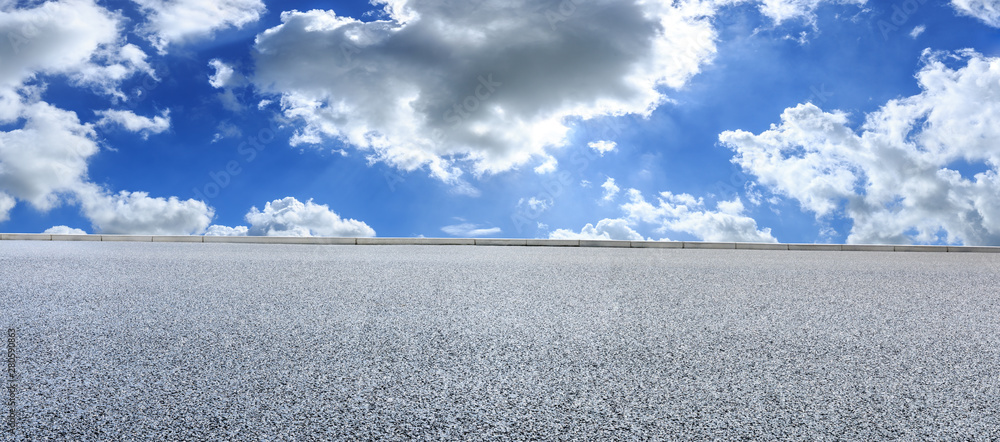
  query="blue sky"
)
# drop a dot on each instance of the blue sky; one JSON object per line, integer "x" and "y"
{"x": 721, "y": 120}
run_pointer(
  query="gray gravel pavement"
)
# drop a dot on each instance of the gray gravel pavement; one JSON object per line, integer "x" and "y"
{"x": 150, "y": 341}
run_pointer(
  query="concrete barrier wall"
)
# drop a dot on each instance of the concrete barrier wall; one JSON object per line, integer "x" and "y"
{"x": 500, "y": 242}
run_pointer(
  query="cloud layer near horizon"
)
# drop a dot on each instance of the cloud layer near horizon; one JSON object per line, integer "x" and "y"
{"x": 681, "y": 213}
{"x": 291, "y": 217}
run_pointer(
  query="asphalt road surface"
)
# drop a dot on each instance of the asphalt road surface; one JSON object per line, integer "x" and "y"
{"x": 150, "y": 341}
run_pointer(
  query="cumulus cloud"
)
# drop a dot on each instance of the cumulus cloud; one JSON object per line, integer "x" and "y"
{"x": 138, "y": 213}
{"x": 467, "y": 230}
{"x": 485, "y": 86}
{"x": 224, "y": 76}
{"x": 615, "y": 229}
{"x": 610, "y": 189}
{"x": 76, "y": 38}
{"x": 44, "y": 155}
{"x": 290, "y": 217}
{"x": 681, "y": 213}
{"x": 603, "y": 147}
{"x": 217, "y": 230}
{"x": 988, "y": 11}
{"x": 896, "y": 178}
{"x": 45, "y": 163}
{"x": 135, "y": 123}
{"x": 178, "y": 21}
{"x": 64, "y": 230}
{"x": 47, "y": 157}
{"x": 687, "y": 214}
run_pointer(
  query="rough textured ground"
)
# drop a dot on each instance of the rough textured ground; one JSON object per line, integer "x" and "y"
{"x": 226, "y": 342}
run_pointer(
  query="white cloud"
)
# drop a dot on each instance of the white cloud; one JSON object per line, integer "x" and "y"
{"x": 178, "y": 21}
{"x": 455, "y": 86}
{"x": 896, "y": 178}
{"x": 109, "y": 67}
{"x": 224, "y": 76}
{"x": 470, "y": 230}
{"x": 7, "y": 203}
{"x": 986, "y": 10}
{"x": 138, "y": 213}
{"x": 217, "y": 230}
{"x": 603, "y": 147}
{"x": 47, "y": 157}
{"x": 613, "y": 229}
{"x": 610, "y": 189}
{"x": 76, "y": 38}
{"x": 43, "y": 159}
{"x": 539, "y": 204}
{"x": 227, "y": 79}
{"x": 45, "y": 163}
{"x": 290, "y": 217}
{"x": 534, "y": 207}
{"x": 917, "y": 31}
{"x": 384, "y": 87}
{"x": 685, "y": 213}
{"x": 783, "y": 10}
{"x": 64, "y": 230}
{"x": 549, "y": 165}
{"x": 135, "y": 123}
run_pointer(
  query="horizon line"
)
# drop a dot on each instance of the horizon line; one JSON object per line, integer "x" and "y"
{"x": 314, "y": 240}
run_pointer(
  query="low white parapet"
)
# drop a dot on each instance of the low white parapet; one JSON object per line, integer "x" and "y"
{"x": 497, "y": 242}
{"x": 709, "y": 245}
{"x": 604, "y": 243}
{"x": 816, "y": 247}
{"x": 761, "y": 246}
{"x": 127, "y": 238}
{"x": 867, "y": 248}
{"x": 501, "y": 242}
{"x": 26, "y": 237}
{"x": 76, "y": 237}
{"x": 554, "y": 242}
{"x": 178, "y": 239}
{"x": 657, "y": 245}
